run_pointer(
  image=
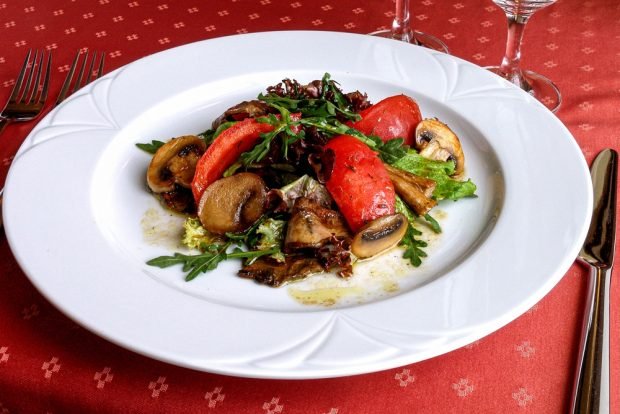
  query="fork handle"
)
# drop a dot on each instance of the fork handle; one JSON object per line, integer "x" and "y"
{"x": 591, "y": 388}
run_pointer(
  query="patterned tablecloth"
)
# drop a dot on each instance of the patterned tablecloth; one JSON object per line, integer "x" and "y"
{"x": 49, "y": 364}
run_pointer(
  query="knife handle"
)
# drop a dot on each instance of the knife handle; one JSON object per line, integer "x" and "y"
{"x": 591, "y": 388}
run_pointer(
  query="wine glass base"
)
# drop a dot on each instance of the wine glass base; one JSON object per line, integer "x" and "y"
{"x": 536, "y": 85}
{"x": 416, "y": 38}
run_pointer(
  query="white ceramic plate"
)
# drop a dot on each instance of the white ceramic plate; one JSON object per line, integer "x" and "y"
{"x": 81, "y": 223}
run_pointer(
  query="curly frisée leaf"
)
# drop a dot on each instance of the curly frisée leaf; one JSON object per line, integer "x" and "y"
{"x": 195, "y": 236}
{"x": 269, "y": 236}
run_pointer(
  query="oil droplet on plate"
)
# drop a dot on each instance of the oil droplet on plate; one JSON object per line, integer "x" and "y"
{"x": 162, "y": 229}
{"x": 325, "y": 296}
{"x": 372, "y": 280}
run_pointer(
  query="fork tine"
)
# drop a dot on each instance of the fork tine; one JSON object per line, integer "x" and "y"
{"x": 37, "y": 66}
{"x": 100, "y": 68}
{"x": 33, "y": 66}
{"x": 78, "y": 82}
{"x": 46, "y": 80}
{"x": 18, "y": 83}
{"x": 89, "y": 72}
{"x": 67, "y": 83}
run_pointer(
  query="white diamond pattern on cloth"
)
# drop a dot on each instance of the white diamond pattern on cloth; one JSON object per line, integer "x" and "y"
{"x": 273, "y": 406}
{"x": 157, "y": 387}
{"x": 4, "y": 354}
{"x": 103, "y": 377}
{"x": 522, "y": 397}
{"x": 51, "y": 367}
{"x": 215, "y": 397}
{"x": 463, "y": 387}
{"x": 404, "y": 378}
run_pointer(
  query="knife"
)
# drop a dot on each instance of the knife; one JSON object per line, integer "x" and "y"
{"x": 591, "y": 386}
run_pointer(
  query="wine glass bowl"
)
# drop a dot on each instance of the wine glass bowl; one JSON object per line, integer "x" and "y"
{"x": 518, "y": 13}
{"x": 401, "y": 30}
{"x": 524, "y": 8}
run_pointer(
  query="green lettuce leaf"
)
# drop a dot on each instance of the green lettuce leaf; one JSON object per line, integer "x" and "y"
{"x": 439, "y": 171}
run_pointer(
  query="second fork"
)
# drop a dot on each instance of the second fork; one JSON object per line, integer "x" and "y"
{"x": 86, "y": 72}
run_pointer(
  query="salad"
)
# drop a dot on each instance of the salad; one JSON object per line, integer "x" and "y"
{"x": 307, "y": 179}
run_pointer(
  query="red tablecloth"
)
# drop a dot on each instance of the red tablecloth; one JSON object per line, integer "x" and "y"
{"x": 49, "y": 364}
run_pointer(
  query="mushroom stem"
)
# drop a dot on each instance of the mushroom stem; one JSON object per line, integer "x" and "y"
{"x": 436, "y": 141}
{"x": 425, "y": 185}
{"x": 414, "y": 190}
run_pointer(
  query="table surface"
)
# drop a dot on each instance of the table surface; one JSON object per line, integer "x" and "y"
{"x": 50, "y": 364}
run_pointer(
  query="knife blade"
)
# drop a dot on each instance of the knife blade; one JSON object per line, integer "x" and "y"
{"x": 591, "y": 386}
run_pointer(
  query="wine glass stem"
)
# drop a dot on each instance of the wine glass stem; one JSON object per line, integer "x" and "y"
{"x": 401, "y": 29}
{"x": 512, "y": 57}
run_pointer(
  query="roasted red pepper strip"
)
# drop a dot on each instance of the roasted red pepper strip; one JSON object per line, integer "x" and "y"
{"x": 393, "y": 117}
{"x": 359, "y": 183}
{"x": 226, "y": 149}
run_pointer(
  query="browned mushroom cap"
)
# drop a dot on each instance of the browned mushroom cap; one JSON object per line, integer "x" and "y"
{"x": 436, "y": 141}
{"x": 175, "y": 163}
{"x": 232, "y": 204}
{"x": 415, "y": 191}
{"x": 379, "y": 235}
{"x": 245, "y": 109}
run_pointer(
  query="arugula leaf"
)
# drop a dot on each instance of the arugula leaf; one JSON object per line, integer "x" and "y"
{"x": 152, "y": 147}
{"x": 413, "y": 246}
{"x": 309, "y": 107}
{"x": 332, "y": 102}
{"x": 331, "y": 87}
{"x": 210, "y": 134}
{"x": 433, "y": 223}
{"x": 213, "y": 255}
{"x": 282, "y": 126}
{"x": 390, "y": 151}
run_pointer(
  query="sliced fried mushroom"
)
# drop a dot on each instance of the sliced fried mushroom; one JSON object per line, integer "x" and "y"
{"x": 311, "y": 224}
{"x": 425, "y": 185}
{"x": 232, "y": 204}
{"x": 272, "y": 273}
{"x": 379, "y": 235}
{"x": 415, "y": 191}
{"x": 174, "y": 163}
{"x": 436, "y": 141}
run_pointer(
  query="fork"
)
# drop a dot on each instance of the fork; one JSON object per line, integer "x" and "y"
{"x": 69, "y": 86}
{"x": 84, "y": 76}
{"x": 30, "y": 91}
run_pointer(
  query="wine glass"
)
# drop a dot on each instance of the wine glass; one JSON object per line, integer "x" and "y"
{"x": 401, "y": 30}
{"x": 518, "y": 13}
